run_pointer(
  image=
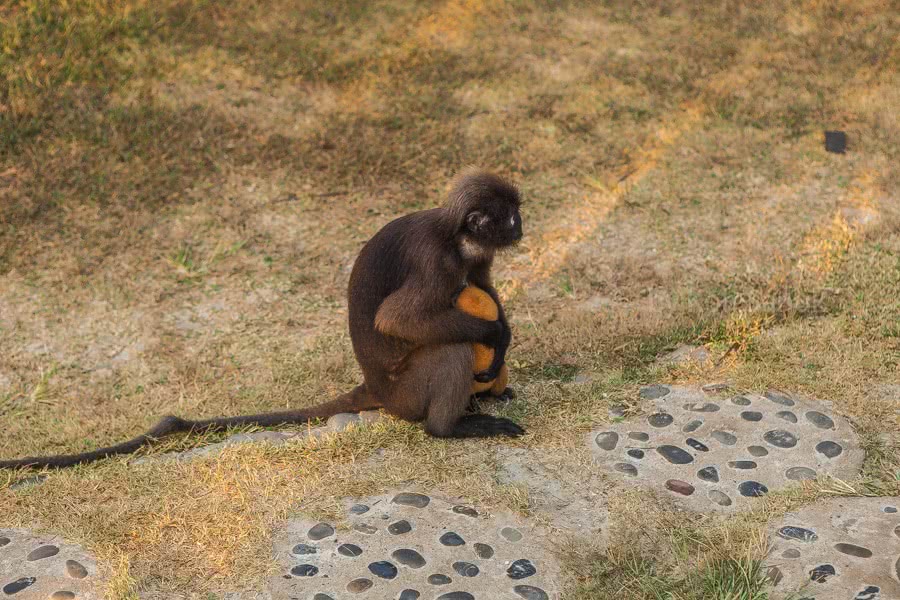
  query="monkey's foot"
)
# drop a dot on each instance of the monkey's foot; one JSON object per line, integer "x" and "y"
{"x": 481, "y": 426}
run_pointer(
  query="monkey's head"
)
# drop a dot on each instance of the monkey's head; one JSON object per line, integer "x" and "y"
{"x": 485, "y": 210}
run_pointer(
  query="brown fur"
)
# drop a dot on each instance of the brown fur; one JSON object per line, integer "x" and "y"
{"x": 413, "y": 345}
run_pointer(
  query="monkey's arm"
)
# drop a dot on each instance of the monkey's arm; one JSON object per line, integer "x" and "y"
{"x": 426, "y": 316}
{"x": 481, "y": 277}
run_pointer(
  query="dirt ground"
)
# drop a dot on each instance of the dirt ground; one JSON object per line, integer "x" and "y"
{"x": 184, "y": 185}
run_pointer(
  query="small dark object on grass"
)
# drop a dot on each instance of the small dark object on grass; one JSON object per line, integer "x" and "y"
{"x": 836, "y": 141}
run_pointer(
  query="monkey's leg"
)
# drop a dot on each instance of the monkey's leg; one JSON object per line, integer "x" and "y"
{"x": 437, "y": 385}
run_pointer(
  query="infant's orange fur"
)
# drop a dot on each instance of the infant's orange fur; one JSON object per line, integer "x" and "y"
{"x": 476, "y": 302}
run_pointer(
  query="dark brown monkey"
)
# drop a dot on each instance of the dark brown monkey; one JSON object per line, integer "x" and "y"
{"x": 414, "y": 346}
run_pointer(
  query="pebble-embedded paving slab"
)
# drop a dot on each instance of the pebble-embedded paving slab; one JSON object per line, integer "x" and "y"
{"x": 719, "y": 454}
{"x": 406, "y": 546}
{"x": 38, "y": 567}
{"x": 837, "y": 549}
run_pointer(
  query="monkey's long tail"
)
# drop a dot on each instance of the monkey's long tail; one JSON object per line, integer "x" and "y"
{"x": 353, "y": 401}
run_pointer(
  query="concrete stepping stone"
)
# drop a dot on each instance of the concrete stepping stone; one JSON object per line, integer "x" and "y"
{"x": 712, "y": 454}
{"x": 411, "y": 545}
{"x": 38, "y": 567}
{"x": 837, "y": 549}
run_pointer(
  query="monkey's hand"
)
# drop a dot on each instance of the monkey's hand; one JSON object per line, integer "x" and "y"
{"x": 500, "y": 348}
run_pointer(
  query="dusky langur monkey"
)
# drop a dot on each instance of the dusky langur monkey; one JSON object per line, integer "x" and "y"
{"x": 413, "y": 345}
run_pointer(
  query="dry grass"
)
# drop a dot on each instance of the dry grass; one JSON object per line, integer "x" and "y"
{"x": 184, "y": 185}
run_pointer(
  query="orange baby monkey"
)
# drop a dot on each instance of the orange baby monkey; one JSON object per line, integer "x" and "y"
{"x": 476, "y": 302}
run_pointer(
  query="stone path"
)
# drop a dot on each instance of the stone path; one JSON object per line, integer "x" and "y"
{"x": 838, "y": 549}
{"x": 409, "y": 545}
{"x": 705, "y": 452}
{"x": 38, "y": 567}
{"x": 712, "y": 454}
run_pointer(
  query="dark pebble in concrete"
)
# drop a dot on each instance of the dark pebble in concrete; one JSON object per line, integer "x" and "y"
{"x": 484, "y": 551}
{"x": 529, "y": 592}
{"x": 465, "y": 510}
{"x": 780, "y": 438}
{"x": 409, "y": 499}
{"x": 320, "y": 531}
{"x": 710, "y": 474}
{"x": 779, "y": 398}
{"x": 819, "y": 420}
{"x": 465, "y": 569}
{"x": 510, "y": 534}
{"x": 607, "y": 440}
{"x": 870, "y": 592}
{"x": 890, "y": 509}
{"x": 4, "y": 541}
{"x": 321, "y": 596}
{"x": 821, "y": 573}
{"x": 18, "y": 585}
{"x": 409, "y": 557}
{"x": 702, "y": 407}
{"x": 75, "y": 569}
{"x": 304, "y": 571}
{"x": 383, "y": 569}
{"x": 800, "y": 474}
{"x": 680, "y": 487}
{"x": 438, "y": 579}
{"x": 627, "y": 469}
{"x": 42, "y": 552}
{"x": 675, "y": 455}
{"x": 652, "y": 392}
{"x": 752, "y": 489}
{"x": 829, "y": 449}
{"x": 720, "y": 498}
{"x": 697, "y": 445}
{"x": 409, "y": 595}
{"x": 801, "y": 534}
{"x": 742, "y": 464}
{"x": 451, "y": 538}
{"x": 521, "y": 569}
{"x": 740, "y": 401}
{"x": 358, "y": 509}
{"x": 723, "y": 437}
{"x": 351, "y": 550}
{"x": 363, "y": 528}
{"x": 791, "y": 553}
{"x": 636, "y": 453}
{"x": 757, "y": 451}
{"x": 360, "y": 585}
{"x": 853, "y": 550}
{"x": 62, "y": 595}
{"x": 399, "y": 527}
{"x": 456, "y": 596}
{"x": 660, "y": 419}
{"x": 639, "y": 436}
{"x": 692, "y": 426}
{"x": 787, "y": 416}
{"x": 897, "y": 531}
{"x": 752, "y": 416}
{"x": 304, "y": 549}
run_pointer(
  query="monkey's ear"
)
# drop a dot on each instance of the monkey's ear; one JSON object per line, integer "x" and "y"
{"x": 476, "y": 221}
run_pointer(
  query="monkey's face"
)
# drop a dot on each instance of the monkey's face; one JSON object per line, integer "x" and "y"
{"x": 497, "y": 225}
